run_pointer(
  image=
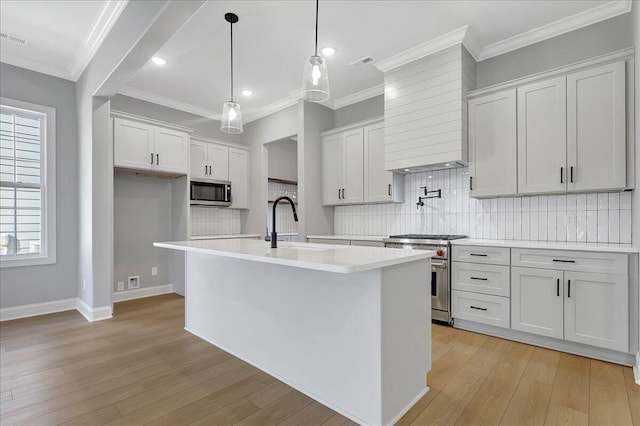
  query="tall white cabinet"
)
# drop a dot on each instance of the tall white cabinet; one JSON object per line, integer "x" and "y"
{"x": 492, "y": 144}
{"x": 353, "y": 167}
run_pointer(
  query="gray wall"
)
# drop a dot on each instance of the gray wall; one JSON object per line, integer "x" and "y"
{"x": 202, "y": 126}
{"x": 45, "y": 283}
{"x": 635, "y": 221}
{"x": 595, "y": 40}
{"x": 279, "y": 125}
{"x": 142, "y": 215}
{"x": 283, "y": 159}
{"x": 363, "y": 110}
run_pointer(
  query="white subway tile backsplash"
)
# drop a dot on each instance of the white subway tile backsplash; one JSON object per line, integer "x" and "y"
{"x": 214, "y": 221}
{"x": 598, "y": 217}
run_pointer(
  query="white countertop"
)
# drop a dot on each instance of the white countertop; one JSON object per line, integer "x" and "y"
{"x": 350, "y": 237}
{"x": 612, "y": 248}
{"x": 322, "y": 257}
{"x": 225, "y": 237}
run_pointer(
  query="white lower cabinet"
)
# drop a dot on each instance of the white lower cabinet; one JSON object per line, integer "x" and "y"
{"x": 580, "y": 307}
{"x": 486, "y": 309}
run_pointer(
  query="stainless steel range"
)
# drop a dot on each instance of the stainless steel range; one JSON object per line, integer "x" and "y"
{"x": 440, "y": 268}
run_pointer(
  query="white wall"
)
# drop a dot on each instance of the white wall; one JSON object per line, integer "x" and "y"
{"x": 46, "y": 283}
{"x": 360, "y": 111}
{"x": 283, "y": 159}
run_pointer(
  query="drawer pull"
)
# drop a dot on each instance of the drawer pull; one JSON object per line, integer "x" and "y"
{"x": 477, "y": 278}
{"x": 480, "y": 309}
{"x": 477, "y": 254}
{"x": 564, "y": 261}
{"x": 569, "y": 288}
{"x": 558, "y": 288}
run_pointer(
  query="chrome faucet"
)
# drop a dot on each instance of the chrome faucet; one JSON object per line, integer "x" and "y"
{"x": 274, "y": 234}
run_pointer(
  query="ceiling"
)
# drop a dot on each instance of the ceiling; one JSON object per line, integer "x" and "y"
{"x": 273, "y": 39}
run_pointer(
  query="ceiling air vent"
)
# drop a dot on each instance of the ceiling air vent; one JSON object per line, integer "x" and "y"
{"x": 360, "y": 62}
{"x": 14, "y": 38}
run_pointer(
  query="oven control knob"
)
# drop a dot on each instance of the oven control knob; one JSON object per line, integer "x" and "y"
{"x": 440, "y": 253}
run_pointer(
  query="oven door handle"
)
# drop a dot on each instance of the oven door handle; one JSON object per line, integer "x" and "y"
{"x": 439, "y": 263}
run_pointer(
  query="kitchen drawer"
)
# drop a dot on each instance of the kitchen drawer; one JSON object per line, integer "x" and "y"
{"x": 480, "y": 254}
{"x": 479, "y": 278}
{"x": 492, "y": 310}
{"x": 566, "y": 260}
{"x": 367, "y": 243}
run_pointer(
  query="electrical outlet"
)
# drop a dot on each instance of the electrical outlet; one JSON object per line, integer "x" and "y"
{"x": 154, "y": 270}
{"x": 120, "y": 285}
{"x": 133, "y": 282}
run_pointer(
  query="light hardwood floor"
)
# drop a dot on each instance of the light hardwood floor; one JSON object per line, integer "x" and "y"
{"x": 142, "y": 368}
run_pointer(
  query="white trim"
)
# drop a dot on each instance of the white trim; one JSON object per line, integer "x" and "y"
{"x": 122, "y": 114}
{"x": 169, "y": 103}
{"x": 554, "y": 29}
{"x": 410, "y": 405}
{"x": 255, "y": 114}
{"x": 104, "y": 22}
{"x": 139, "y": 293}
{"x": 35, "y": 66}
{"x": 219, "y": 142}
{"x": 344, "y": 128}
{"x": 636, "y": 369}
{"x": 48, "y": 166}
{"x": 359, "y": 96}
{"x": 424, "y": 49}
{"x": 624, "y": 54}
{"x": 35, "y": 309}
{"x": 93, "y": 314}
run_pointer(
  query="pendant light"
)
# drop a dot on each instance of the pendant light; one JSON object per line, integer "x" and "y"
{"x": 231, "y": 121}
{"x": 315, "y": 81}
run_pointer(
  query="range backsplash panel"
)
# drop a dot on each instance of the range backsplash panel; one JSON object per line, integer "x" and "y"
{"x": 593, "y": 217}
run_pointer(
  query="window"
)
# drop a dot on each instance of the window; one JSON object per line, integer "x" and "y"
{"x": 27, "y": 184}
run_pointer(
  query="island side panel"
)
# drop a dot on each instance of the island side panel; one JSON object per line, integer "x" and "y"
{"x": 406, "y": 355}
{"x": 320, "y": 332}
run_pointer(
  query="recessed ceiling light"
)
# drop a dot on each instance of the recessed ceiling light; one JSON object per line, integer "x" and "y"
{"x": 447, "y": 165}
{"x": 406, "y": 170}
{"x": 247, "y": 92}
{"x": 430, "y": 177}
{"x": 328, "y": 51}
{"x": 159, "y": 60}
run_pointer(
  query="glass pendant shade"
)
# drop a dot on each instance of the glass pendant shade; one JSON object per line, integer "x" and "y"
{"x": 315, "y": 81}
{"x": 231, "y": 121}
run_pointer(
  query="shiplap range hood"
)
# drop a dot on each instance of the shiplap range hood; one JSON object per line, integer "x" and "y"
{"x": 425, "y": 110}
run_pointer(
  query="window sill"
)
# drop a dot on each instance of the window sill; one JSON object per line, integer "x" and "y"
{"x": 14, "y": 262}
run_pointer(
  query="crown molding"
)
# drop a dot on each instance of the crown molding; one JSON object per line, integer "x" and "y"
{"x": 359, "y": 96}
{"x": 425, "y": 49}
{"x": 167, "y": 102}
{"x": 257, "y": 113}
{"x": 36, "y": 66}
{"x": 553, "y": 29}
{"x": 104, "y": 22}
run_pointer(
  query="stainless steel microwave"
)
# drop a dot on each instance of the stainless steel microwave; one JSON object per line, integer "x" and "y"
{"x": 215, "y": 193}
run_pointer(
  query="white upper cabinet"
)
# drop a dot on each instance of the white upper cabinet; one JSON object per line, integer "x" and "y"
{"x": 596, "y": 128}
{"x": 239, "y": 177}
{"x": 218, "y": 161}
{"x": 142, "y": 146}
{"x": 332, "y": 169}
{"x": 492, "y": 144}
{"x": 198, "y": 166}
{"x": 542, "y": 136}
{"x": 171, "y": 150}
{"x": 353, "y": 166}
{"x": 380, "y": 185}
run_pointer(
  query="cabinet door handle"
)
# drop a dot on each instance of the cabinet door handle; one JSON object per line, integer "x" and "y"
{"x": 569, "y": 288}
{"x": 571, "y": 173}
{"x": 480, "y": 309}
{"x": 389, "y": 190}
{"x": 205, "y": 170}
{"x": 564, "y": 261}
{"x": 152, "y": 158}
{"x": 343, "y": 193}
{"x": 210, "y": 171}
{"x": 157, "y": 159}
{"x": 339, "y": 197}
{"x": 479, "y": 279}
{"x": 471, "y": 183}
{"x": 558, "y": 288}
{"x": 477, "y": 254}
{"x": 561, "y": 174}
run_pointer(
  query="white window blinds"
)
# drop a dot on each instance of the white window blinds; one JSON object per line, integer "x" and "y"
{"x": 22, "y": 181}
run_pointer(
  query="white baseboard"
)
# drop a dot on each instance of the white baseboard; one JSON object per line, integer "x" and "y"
{"x": 36, "y": 309}
{"x": 636, "y": 368}
{"x": 93, "y": 314}
{"x": 138, "y": 293}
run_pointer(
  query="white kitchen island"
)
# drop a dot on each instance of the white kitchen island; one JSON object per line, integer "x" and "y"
{"x": 348, "y": 326}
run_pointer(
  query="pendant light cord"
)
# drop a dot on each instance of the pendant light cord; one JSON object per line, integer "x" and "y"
{"x": 231, "y": 23}
{"x": 317, "y": 4}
